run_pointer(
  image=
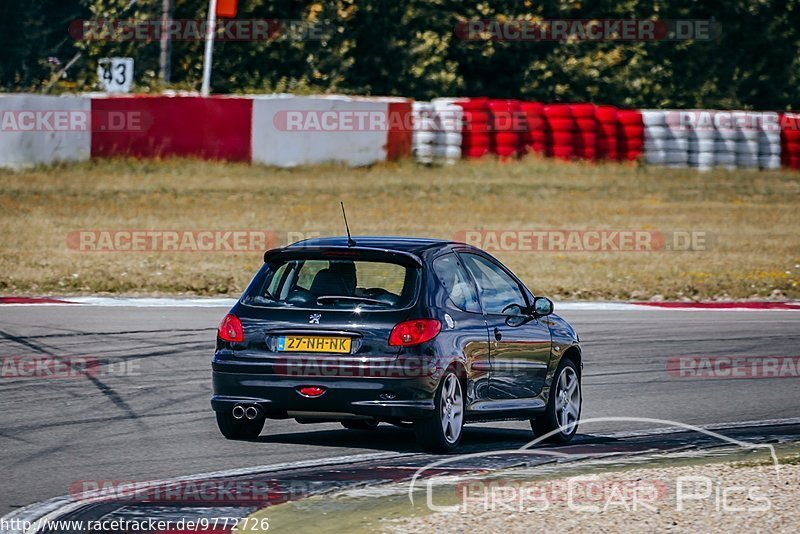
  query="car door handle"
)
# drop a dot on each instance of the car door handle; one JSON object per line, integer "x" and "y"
{"x": 498, "y": 335}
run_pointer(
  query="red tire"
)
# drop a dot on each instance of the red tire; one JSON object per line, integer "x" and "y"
{"x": 560, "y": 124}
{"x": 792, "y": 136}
{"x": 506, "y": 138}
{"x": 607, "y": 129}
{"x": 476, "y": 140}
{"x": 606, "y": 114}
{"x": 557, "y": 111}
{"x": 585, "y": 139}
{"x": 474, "y": 104}
{"x": 506, "y": 150}
{"x": 536, "y": 136}
{"x": 475, "y": 152}
{"x": 582, "y": 111}
{"x": 535, "y": 122}
{"x": 630, "y": 155}
{"x": 629, "y": 117}
{"x": 632, "y": 131}
{"x": 587, "y": 125}
{"x": 475, "y": 117}
{"x": 561, "y": 152}
{"x": 532, "y": 108}
{"x": 561, "y": 138}
{"x": 476, "y": 128}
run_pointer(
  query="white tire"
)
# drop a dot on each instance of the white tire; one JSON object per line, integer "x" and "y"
{"x": 724, "y": 145}
{"x": 747, "y": 161}
{"x": 727, "y": 134}
{"x": 769, "y": 149}
{"x": 655, "y": 157}
{"x": 448, "y": 138}
{"x": 701, "y": 145}
{"x": 422, "y": 137}
{"x": 723, "y": 159}
{"x": 677, "y": 157}
{"x": 770, "y": 162}
{"x": 701, "y": 159}
{"x": 654, "y": 117}
{"x": 656, "y": 132}
{"x": 423, "y": 151}
{"x": 676, "y": 145}
{"x": 747, "y": 148}
{"x": 447, "y": 151}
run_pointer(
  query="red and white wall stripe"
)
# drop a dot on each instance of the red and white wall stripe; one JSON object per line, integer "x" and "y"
{"x": 280, "y": 130}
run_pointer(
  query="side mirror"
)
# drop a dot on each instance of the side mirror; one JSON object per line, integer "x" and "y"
{"x": 542, "y": 306}
{"x": 515, "y": 315}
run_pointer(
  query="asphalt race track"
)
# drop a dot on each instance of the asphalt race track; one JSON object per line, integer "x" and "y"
{"x": 145, "y": 415}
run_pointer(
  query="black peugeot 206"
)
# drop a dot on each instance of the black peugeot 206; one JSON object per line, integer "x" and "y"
{"x": 406, "y": 331}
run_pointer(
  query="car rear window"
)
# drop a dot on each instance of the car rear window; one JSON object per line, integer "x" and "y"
{"x": 334, "y": 284}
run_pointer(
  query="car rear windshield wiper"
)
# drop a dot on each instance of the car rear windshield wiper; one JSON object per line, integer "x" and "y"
{"x": 335, "y": 298}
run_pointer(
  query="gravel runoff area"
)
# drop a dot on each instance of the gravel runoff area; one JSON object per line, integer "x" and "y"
{"x": 697, "y": 498}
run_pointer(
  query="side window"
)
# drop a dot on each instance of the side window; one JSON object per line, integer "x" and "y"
{"x": 456, "y": 283}
{"x": 495, "y": 287}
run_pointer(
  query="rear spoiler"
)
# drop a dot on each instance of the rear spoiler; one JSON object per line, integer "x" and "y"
{"x": 342, "y": 253}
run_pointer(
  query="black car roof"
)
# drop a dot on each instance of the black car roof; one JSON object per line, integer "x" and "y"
{"x": 398, "y": 243}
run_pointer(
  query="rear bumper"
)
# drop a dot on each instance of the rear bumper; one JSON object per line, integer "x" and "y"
{"x": 278, "y": 396}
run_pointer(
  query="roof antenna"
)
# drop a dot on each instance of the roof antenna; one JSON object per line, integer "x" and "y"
{"x": 350, "y": 242}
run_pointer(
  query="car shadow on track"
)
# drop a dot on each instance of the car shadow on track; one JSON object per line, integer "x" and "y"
{"x": 388, "y": 438}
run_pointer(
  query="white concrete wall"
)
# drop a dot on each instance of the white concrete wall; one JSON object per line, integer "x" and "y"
{"x": 30, "y": 134}
{"x": 280, "y": 139}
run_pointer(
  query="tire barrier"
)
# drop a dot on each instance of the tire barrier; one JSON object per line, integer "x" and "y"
{"x": 631, "y": 134}
{"x": 437, "y": 132}
{"x": 607, "y": 133}
{"x": 559, "y": 131}
{"x": 505, "y": 128}
{"x": 475, "y": 134}
{"x": 534, "y": 138}
{"x": 790, "y": 140}
{"x": 585, "y": 139}
{"x": 666, "y": 142}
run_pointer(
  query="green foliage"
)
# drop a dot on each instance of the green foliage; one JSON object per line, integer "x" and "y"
{"x": 387, "y": 47}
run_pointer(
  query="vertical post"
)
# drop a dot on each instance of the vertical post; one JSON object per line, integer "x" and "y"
{"x": 165, "y": 59}
{"x": 211, "y": 33}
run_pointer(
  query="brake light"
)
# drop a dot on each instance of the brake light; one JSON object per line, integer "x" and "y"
{"x": 311, "y": 391}
{"x": 414, "y": 332}
{"x": 230, "y": 329}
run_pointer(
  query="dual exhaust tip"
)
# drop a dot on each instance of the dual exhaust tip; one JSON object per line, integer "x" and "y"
{"x": 249, "y": 412}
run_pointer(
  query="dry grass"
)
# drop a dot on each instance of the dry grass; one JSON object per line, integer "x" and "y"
{"x": 752, "y": 218}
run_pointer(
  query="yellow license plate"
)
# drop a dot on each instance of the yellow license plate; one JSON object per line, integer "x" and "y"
{"x": 338, "y": 345}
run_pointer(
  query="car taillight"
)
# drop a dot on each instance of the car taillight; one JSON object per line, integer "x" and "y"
{"x": 414, "y": 332}
{"x": 230, "y": 329}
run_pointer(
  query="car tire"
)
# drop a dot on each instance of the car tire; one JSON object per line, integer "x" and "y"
{"x": 555, "y": 417}
{"x": 239, "y": 429}
{"x": 359, "y": 424}
{"x": 441, "y": 431}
